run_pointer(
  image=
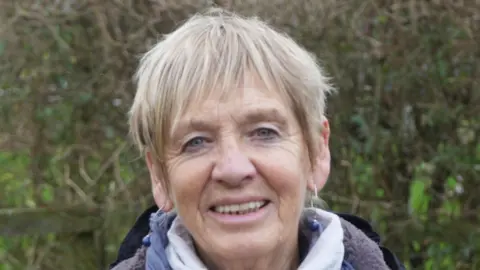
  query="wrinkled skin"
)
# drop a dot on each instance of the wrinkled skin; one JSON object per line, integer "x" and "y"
{"x": 248, "y": 144}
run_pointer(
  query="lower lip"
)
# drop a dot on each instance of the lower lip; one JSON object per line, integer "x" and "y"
{"x": 241, "y": 219}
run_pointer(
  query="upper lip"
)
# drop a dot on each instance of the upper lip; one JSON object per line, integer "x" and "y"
{"x": 237, "y": 200}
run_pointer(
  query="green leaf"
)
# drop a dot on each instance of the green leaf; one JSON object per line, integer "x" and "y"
{"x": 380, "y": 193}
{"x": 451, "y": 183}
{"x": 416, "y": 246}
{"x": 47, "y": 193}
{"x": 418, "y": 201}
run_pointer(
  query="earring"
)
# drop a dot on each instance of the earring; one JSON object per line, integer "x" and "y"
{"x": 314, "y": 224}
{"x": 146, "y": 240}
{"x": 315, "y": 194}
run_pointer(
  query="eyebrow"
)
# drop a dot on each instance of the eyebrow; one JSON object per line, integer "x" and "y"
{"x": 252, "y": 115}
{"x": 192, "y": 124}
{"x": 256, "y": 115}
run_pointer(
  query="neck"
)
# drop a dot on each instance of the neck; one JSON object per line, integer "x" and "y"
{"x": 283, "y": 257}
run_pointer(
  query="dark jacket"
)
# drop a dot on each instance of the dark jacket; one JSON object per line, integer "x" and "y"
{"x": 133, "y": 240}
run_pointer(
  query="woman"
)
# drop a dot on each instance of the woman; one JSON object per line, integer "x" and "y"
{"x": 229, "y": 114}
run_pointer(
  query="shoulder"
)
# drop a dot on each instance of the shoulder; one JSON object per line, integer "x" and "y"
{"x": 133, "y": 240}
{"x": 364, "y": 226}
{"x": 136, "y": 262}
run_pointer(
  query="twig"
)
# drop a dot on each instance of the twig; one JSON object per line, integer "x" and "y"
{"x": 83, "y": 172}
{"x": 109, "y": 162}
{"x": 77, "y": 189}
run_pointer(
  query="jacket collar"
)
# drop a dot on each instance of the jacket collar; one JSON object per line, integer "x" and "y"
{"x": 321, "y": 236}
{"x": 131, "y": 246}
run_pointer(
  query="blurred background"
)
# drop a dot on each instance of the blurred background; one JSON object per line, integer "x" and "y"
{"x": 405, "y": 122}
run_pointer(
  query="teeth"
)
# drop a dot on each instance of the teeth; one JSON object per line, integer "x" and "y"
{"x": 239, "y": 208}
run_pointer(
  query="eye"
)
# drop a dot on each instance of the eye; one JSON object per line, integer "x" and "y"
{"x": 194, "y": 144}
{"x": 265, "y": 133}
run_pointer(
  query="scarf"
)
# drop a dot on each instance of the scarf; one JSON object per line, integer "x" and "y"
{"x": 326, "y": 250}
{"x": 360, "y": 252}
{"x": 175, "y": 249}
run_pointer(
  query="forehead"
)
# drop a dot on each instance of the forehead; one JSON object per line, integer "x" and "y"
{"x": 240, "y": 98}
{"x": 247, "y": 103}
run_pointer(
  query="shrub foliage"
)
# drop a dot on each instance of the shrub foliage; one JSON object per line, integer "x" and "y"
{"x": 405, "y": 125}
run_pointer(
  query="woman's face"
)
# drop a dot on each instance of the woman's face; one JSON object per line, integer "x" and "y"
{"x": 237, "y": 172}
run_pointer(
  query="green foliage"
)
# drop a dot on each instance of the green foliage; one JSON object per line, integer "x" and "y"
{"x": 405, "y": 126}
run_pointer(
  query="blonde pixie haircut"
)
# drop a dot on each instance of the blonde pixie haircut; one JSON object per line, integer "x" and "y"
{"x": 213, "y": 53}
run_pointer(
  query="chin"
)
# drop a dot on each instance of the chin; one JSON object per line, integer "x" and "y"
{"x": 246, "y": 244}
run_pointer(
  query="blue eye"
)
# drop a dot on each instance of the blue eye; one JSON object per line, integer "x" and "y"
{"x": 265, "y": 133}
{"x": 194, "y": 143}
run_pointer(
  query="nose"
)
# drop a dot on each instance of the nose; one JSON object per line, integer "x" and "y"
{"x": 233, "y": 168}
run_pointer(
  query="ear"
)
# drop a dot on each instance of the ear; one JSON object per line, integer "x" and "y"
{"x": 321, "y": 168}
{"x": 160, "y": 194}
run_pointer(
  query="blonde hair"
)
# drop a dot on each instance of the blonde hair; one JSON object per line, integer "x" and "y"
{"x": 212, "y": 52}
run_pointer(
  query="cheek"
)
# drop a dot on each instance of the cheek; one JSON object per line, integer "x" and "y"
{"x": 285, "y": 173}
{"x": 188, "y": 180}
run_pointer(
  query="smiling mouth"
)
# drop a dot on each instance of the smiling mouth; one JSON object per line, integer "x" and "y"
{"x": 240, "y": 209}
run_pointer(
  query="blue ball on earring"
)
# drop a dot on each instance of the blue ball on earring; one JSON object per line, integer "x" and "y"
{"x": 314, "y": 225}
{"x": 146, "y": 240}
